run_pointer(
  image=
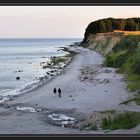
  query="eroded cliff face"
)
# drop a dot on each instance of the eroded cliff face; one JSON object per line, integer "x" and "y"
{"x": 102, "y": 42}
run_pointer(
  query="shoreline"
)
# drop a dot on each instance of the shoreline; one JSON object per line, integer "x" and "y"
{"x": 42, "y": 80}
{"x": 86, "y": 87}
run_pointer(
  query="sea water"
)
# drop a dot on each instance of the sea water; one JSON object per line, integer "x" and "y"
{"x": 22, "y": 57}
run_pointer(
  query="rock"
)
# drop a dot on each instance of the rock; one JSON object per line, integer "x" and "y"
{"x": 42, "y": 62}
{"x": 122, "y": 79}
{"x": 38, "y": 110}
{"x": 43, "y": 57}
{"x": 17, "y": 78}
{"x": 10, "y": 98}
{"x": 51, "y": 74}
{"x": 107, "y": 81}
{"x": 49, "y": 64}
{"x": 61, "y": 120}
{"x": 82, "y": 72}
{"x": 102, "y": 65}
{"x": 85, "y": 77}
{"x": 82, "y": 80}
{"x": 51, "y": 71}
{"x": 107, "y": 71}
{"x": 1, "y": 97}
{"x": 83, "y": 125}
{"x": 70, "y": 96}
{"x": 105, "y": 90}
{"x": 91, "y": 78}
{"x": 6, "y": 106}
{"x": 65, "y": 66}
{"x": 44, "y": 67}
{"x": 47, "y": 73}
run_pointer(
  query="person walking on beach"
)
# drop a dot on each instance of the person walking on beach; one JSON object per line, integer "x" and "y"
{"x": 54, "y": 90}
{"x": 59, "y": 92}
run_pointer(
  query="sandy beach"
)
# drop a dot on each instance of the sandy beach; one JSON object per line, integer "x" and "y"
{"x": 87, "y": 87}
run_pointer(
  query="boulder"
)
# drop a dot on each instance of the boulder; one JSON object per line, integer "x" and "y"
{"x": 17, "y": 78}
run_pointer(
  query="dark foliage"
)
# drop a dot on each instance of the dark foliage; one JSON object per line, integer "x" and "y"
{"x": 110, "y": 24}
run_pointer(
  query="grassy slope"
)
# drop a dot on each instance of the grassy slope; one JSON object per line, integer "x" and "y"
{"x": 126, "y": 57}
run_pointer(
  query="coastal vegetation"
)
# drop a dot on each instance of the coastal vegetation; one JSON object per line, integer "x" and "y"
{"x": 124, "y": 120}
{"x": 125, "y": 56}
{"x": 112, "y": 119}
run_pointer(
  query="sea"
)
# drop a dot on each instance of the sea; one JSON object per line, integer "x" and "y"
{"x": 22, "y": 58}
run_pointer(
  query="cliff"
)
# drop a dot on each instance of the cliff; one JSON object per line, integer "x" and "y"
{"x": 100, "y": 36}
{"x": 102, "y": 42}
{"x": 121, "y": 50}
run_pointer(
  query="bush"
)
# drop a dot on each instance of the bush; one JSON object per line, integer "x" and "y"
{"x": 116, "y": 59}
{"x": 136, "y": 66}
{"x": 136, "y": 61}
{"x": 119, "y": 60}
{"x": 109, "y": 61}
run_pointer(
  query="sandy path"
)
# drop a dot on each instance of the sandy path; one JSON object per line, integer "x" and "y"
{"x": 83, "y": 97}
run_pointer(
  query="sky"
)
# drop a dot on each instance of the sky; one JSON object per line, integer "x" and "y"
{"x": 56, "y": 21}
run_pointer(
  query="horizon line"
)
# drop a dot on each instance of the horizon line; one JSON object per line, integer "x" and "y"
{"x": 40, "y": 37}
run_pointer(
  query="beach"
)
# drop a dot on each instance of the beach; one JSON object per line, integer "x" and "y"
{"x": 87, "y": 87}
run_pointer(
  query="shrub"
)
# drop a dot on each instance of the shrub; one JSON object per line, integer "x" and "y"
{"x": 119, "y": 60}
{"x": 136, "y": 66}
{"x": 116, "y": 59}
{"x": 136, "y": 61}
{"x": 109, "y": 61}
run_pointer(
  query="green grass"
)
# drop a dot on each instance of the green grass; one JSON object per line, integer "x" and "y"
{"x": 133, "y": 83}
{"x": 125, "y": 120}
{"x": 134, "y": 86}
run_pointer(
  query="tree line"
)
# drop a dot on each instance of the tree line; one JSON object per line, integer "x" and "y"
{"x": 110, "y": 24}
